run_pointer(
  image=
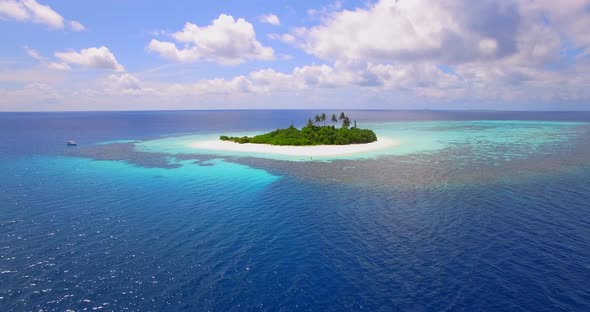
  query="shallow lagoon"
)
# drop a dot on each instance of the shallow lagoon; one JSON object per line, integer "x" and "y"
{"x": 496, "y": 138}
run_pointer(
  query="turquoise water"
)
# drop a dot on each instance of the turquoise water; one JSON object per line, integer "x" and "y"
{"x": 465, "y": 214}
{"x": 495, "y": 139}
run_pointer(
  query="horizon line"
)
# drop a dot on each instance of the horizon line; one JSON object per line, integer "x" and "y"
{"x": 300, "y": 109}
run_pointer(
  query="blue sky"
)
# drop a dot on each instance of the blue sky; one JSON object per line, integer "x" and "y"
{"x": 385, "y": 54}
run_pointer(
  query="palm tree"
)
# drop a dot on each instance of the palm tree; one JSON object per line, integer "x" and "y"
{"x": 342, "y": 116}
{"x": 354, "y": 124}
{"x": 309, "y": 122}
{"x": 345, "y": 122}
{"x": 334, "y": 119}
{"x": 323, "y": 118}
{"x": 318, "y": 118}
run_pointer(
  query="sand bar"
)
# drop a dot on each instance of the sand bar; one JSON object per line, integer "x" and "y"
{"x": 311, "y": 151}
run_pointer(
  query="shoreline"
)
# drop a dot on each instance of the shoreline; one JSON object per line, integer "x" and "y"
{"x": 290, "y": 150}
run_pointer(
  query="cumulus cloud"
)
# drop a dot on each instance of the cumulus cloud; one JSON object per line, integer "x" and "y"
{"x": 77, "y": 26}
{"x": 488, "y": 48}
{"x": 58, "y": 66}
{"x": 126, "y": 84}
{"x": 286, "y": 38}
{"x": 226, "y": 41}
{"x": 389, "y": 30}
{"x": 33, "y": 11}
{"x": 377, "y": 77}
{"x": 340, "y": 85}
{"x": 49, "y": 64}
{"x": 270, "y": 19}
{"x": 448, "y": 31}
{"x": 13, "y": 10}
{"x": 100, "y": 58}
{"x": 124, "y": 81}
{"x": 571, "y": 18}
{"x": 489, "y": 53}
{"x": 374, "y": 77}
{"x": 170, "y": 51}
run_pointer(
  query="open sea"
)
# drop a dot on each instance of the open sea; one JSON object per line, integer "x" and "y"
{"x": 473, "y": 211}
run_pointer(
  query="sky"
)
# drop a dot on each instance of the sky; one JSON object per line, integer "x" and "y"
{"x": 384, "y": 54}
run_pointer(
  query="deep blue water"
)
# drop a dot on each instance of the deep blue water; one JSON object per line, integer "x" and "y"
{"x": 474, "y": 224}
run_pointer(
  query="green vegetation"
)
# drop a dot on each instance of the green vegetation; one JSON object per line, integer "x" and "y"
{"x": 312, "y": 134}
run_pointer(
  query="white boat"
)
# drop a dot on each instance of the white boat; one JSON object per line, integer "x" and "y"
{"x": 72, "y": 143}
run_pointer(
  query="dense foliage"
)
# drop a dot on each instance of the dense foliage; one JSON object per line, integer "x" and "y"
{"x": 311, "y": 135}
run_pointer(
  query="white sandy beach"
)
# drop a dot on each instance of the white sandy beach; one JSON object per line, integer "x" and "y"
{"x": 311, "y": 151}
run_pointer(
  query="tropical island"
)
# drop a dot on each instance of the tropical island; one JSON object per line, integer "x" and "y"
{"x": 313, "y": 134}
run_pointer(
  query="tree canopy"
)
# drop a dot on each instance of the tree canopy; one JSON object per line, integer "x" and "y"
{"x": 312, "y": 134}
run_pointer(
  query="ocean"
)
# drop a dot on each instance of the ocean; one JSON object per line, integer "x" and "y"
{"x": 473, "y": 211}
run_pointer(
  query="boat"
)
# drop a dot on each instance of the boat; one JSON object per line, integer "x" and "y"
{"x": 72, "y": 143}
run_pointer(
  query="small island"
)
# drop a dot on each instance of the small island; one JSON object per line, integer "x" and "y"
{"x": 313, "y": 134}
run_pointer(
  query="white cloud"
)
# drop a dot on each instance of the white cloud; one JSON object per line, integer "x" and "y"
{"x": 126, "y": 84}
{"x": 239, "y": 84}
{"x": 409, "y": 81}
{"x": 450, "y": 32}
{"x": 268, "y": 80}
{"x": 286, "y": 38}
{"x": 33, "y": 53}
{"x": 43, "y": 14}
{"x": 387, "y": 54}
{"x": 33, "y": 11}
{"x": 45, "y": 96}
{"x": 124, "y": 81}
{"x": 77, "y": 26}
{"x": 170, "y": 51}
{"x": 494, "y": 49}
{"x": 226, "y": 41}
{"x": 100, "y": 58}
{"x": 341, "y": 85}
{"x": 14, "y": 73}
{"x": 391, "y": 30}
{"x": 270, "y": 19}
{"x": 13, "y": 10}
{"x": 58, "y": 66}
{"x": 570, "y": 17}
{"x": 51, "y": 65}
{"x": 374, "y": 77}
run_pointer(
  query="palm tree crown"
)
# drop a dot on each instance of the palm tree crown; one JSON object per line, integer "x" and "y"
{"x": 346, "y": 122}
{"x": 318, "y": 118}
